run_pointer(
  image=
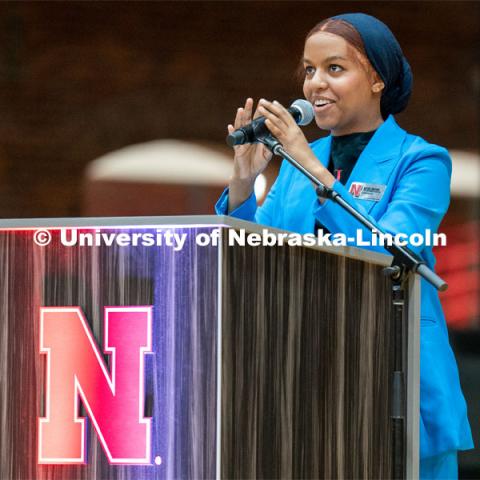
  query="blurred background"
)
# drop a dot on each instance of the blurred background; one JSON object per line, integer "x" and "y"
{"x": 120, "y": 108}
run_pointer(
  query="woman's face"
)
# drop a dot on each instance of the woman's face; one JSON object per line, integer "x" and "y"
{"x": 344, "y": 92}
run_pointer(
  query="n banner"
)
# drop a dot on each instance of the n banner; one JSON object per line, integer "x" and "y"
{"x": 113, "y": 399}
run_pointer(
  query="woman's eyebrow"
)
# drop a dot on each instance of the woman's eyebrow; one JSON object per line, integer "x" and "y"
{"x": 328, "y": 59}
{"x": 335, "y": 57}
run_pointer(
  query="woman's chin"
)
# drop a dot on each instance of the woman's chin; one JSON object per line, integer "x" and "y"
{"x": 324, "y": 124}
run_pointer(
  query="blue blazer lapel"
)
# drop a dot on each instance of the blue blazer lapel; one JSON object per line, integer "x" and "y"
{"x": 378, "y": 159}
{"x": 321, "y": 148}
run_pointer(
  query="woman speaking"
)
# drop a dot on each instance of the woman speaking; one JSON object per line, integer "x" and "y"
{"x": 356, "y": 77}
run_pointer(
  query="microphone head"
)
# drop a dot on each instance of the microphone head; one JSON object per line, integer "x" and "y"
{"x": 306, "y": 111}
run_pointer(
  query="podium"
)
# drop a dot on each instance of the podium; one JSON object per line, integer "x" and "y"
{"x": 264, "y": 361}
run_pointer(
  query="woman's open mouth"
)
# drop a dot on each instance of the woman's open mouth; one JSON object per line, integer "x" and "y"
{"x": 322, "y": 104}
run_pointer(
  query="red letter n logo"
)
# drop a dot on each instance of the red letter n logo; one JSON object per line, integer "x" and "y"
{"x": 356, "y": 189}
{"x": 114, "y": 400}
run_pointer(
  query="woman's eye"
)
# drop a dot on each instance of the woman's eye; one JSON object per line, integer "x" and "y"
{"x": 335, "y": 68}
{"x": 309, "y": 71}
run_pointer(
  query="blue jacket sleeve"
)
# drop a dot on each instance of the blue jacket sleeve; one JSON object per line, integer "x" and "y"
{"x": 418, "y": 202}
{"x": 245, "y": 211}
{"x": 266, "y": 214}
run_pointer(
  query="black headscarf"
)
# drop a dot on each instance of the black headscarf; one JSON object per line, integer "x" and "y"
{"x": 386, "y": 57}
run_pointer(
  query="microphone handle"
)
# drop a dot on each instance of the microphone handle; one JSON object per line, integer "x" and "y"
{"x": 249, "y": 133}
{"x": 256, "y": 129}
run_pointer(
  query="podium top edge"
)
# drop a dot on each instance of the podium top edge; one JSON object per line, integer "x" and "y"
{"x": 184, "y": 221}
{"x": 85, "y": 222}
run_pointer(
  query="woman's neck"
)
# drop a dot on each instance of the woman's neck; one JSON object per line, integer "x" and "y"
{"x": 367, "y": 125}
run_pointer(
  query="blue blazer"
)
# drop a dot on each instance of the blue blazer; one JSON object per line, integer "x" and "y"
{"x": 416, "y": 176}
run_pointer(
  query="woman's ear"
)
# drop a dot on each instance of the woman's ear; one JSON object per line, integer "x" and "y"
{"x": 378, "y": 87}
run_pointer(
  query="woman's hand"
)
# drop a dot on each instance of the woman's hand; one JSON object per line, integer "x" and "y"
{"x": 283, "y": 127}
{"x": 249, "y": 160}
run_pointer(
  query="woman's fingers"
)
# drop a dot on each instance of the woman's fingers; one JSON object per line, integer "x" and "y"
{"x": 274, "y": 111}
{"x": 275, "y": 124}
{"x": 247, "y": 116}
{"x": 257, "y": 111}
{"x": 238, "y": 118}
{"x": 274, "y": 129}
{"x": 278, "y": 107}
{"x": 244, "y": 114}
{"x": 267, "y": 154}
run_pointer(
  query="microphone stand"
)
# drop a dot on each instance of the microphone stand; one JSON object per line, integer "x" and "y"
{"x": 404, "y": 262}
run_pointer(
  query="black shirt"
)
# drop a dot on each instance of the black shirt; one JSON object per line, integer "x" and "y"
{"x": 344, "y": 153}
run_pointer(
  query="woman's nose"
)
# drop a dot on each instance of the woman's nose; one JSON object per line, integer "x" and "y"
{"x": 319, "y": 80}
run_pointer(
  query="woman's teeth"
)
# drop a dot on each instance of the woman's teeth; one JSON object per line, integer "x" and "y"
{"x": 322, "y": 103}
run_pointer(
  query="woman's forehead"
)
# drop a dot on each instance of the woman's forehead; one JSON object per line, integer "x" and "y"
{"x": 325, "y": 45}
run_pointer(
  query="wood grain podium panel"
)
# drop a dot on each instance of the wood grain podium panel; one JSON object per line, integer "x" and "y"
{"x": 306, "y": 366}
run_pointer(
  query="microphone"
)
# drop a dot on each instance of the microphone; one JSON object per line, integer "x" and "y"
{"x": 300, "y": 110}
